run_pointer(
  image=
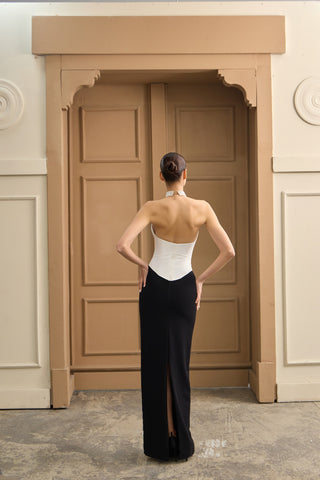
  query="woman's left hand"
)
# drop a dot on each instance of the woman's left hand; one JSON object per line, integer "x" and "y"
{"x": 143, "y": 272}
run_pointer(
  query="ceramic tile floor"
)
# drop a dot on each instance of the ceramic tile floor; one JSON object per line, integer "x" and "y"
{"x": 99, "y": 437}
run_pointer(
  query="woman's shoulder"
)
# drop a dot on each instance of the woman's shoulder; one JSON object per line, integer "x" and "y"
{"x": 198, "y": 203}
{"x": 164, "y": 199}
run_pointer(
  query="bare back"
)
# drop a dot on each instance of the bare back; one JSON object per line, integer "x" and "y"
{"x": 178, "y": 218}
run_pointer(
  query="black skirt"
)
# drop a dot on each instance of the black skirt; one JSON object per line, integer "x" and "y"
{"x": 167, "y": 317}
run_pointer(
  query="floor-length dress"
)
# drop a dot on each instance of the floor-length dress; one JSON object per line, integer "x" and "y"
{"x": 167, "y": 317}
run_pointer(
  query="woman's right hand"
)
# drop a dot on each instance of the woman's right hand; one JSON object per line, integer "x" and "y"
{"x": 199, "y": 284}
{"x": 143, "y": 272}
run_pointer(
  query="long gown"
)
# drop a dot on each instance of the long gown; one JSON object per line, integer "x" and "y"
{"x": 167, "y": 316}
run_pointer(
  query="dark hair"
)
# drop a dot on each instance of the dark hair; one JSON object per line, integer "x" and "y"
{"x": 172, "y": 165}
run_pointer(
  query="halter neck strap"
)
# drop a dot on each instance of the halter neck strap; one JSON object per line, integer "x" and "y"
{"x": 172, "y": 192}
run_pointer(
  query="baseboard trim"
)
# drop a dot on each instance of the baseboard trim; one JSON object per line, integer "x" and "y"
{"x": 24, "y": 398}
{"x": 298, "y": 392}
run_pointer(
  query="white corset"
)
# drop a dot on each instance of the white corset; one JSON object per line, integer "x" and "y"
{"x": 171, "y": 260}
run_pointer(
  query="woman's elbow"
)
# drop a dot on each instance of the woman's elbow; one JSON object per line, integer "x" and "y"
{"x": 230, "y": 252}
{"x": 119, "y": 247}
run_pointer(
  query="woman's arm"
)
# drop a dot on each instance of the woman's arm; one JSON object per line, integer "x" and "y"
{"x": 139, "y": 222}
{"x": 222, "y": 241}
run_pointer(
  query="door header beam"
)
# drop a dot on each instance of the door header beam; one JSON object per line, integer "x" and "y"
{"x": 157, "y": 34}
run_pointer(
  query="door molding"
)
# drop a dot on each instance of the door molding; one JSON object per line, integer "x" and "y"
{"x": 77, "y": 49}
{"x": 74, "y": 80}
{"x": 244, "y": 79}
{"x": 204, "y": 34}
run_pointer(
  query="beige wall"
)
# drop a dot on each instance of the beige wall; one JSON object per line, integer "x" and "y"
{"x": 296, "y": 170}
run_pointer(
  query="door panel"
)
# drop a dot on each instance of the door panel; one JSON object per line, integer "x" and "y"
{"x": 207, "y": 124}
{"x": 118, "y": 131}
{"x": 193, "y": 135}
{"x": 109, "y": 181}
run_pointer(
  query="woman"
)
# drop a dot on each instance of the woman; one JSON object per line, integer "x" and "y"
{"x": 169, "y": 296}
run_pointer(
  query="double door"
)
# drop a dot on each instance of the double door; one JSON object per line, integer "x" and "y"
{"x": 118, "y": 132}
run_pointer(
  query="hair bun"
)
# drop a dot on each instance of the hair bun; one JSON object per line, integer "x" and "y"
{"x": 172, "y": 166}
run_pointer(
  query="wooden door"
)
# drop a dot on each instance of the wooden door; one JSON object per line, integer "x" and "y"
{"x": 114, "y": 168}
{"x": 207, "y": 123}
{"x": 110, "y": 179}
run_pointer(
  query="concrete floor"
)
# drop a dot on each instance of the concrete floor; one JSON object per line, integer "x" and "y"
{"x": 99, "y": 437}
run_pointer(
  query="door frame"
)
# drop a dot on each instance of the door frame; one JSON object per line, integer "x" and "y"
{"x": 76, "y": 50}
